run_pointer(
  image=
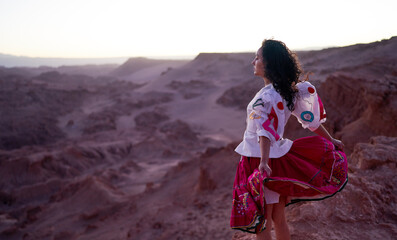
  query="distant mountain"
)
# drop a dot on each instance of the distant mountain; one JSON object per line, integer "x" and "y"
{"x": 133, "y": 65}
{"x": 7, "y": 60}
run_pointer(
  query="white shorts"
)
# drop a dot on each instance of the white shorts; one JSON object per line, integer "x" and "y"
{"x": 271, "y": 196}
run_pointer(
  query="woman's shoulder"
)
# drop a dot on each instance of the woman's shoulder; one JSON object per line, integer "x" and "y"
{"x": 306, "y": 88}
{"x": 268, "y": 93}
{"x": 263, "y": 100}
{"x": 272, "y": 98}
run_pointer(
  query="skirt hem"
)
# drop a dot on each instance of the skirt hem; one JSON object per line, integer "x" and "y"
{"x": 297, "y": 200}
{"x": 248, "y": 229}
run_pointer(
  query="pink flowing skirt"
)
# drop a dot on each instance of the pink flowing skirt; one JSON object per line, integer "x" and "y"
{"x": 312, "y": 170}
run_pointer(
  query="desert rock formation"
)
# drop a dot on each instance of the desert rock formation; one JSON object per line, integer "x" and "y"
{"x": 144, "y": 150}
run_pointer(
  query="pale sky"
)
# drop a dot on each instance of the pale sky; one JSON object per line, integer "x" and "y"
{"x": 129, "y": 28}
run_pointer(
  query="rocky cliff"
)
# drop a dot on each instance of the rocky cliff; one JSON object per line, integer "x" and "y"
{"x": 148, "y": 154}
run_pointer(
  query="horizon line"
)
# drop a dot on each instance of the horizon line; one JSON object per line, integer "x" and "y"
{"x": 171, "y": 57}
{"x": 10, "y": 60}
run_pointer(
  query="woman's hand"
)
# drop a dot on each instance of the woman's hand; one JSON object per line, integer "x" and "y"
{"x": 264, "y": 144}
{"x": 264, "y": 167}
{"x": 321, "y": 131}
{"x": 338, "y": 143}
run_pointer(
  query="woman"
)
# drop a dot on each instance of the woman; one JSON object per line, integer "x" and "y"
{"x": 274, "y": 172}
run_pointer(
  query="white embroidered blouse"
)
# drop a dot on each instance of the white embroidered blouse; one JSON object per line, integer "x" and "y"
{"x": 267, "y": 115}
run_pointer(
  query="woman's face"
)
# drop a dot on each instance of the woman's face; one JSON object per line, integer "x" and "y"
{"x": 259, "y": 66}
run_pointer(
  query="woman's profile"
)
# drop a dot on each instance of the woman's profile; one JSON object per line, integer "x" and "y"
{"x": 273, "y": 171}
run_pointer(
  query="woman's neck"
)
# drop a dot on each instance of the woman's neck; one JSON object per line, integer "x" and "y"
{"x": 267, "y": 81}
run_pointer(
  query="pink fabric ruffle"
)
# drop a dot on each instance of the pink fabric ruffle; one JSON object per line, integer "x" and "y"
{"x": 312, "y": 170}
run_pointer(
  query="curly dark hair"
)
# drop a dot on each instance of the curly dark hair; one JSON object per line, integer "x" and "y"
{"x": 282, "y": 69}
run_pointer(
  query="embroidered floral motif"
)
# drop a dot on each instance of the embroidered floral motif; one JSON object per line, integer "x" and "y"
{"x": 255, "y": 183}
{"x": 280, "y": 105}
{"x": 339, "y": 173}
{"x": 311, "y": 90}
{"x": 253, "y": 116}
{"x": 239, "y": 207}
{"x": 307, "y": 116}
{"x": 245, "y": 203}
{"x": 258, "y": 102}
{"x": 334, "y": 179}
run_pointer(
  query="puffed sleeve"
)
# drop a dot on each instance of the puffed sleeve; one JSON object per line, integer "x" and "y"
{"x": 265, "y": 119}
{"x": 309, "y": 109}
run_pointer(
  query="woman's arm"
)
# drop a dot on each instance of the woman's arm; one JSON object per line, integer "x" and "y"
{"x": 321, "y": 131}
{"x": 264, "y": 144}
